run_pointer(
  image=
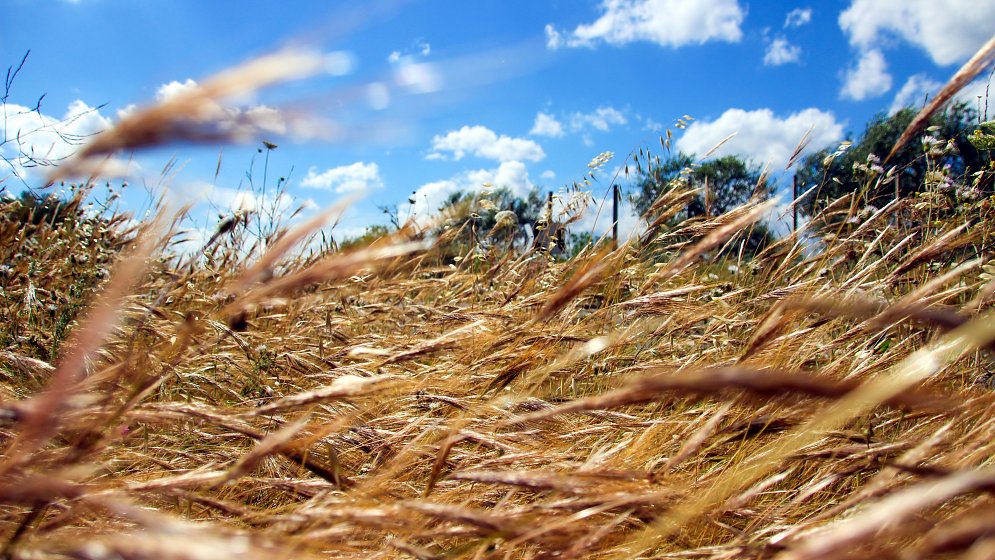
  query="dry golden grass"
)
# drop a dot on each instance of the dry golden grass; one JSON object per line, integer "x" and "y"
{"x": 827, "y": 398}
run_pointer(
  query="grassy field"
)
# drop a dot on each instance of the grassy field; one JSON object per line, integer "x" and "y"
{"x": 830, "y": 397}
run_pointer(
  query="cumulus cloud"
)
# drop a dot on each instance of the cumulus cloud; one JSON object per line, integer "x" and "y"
{"x": 761, "y": 136}
{"x": 630, "y": 224}
{"x": 34, "y": 138}
{"x": 428, "y": 198}
{"x": 546, "y": 125}
{"x": 668, "y": 23}
{"x": 548, "y": 175}
{"x": 174, "y": 88}
{"x": 358, "y": 176}
{"x": 949, "y": 31}
{"x": 602, "y": 118}
{"x": 870, "y": 78}
{"x": 798, "y": 17}
{"x": 483, "y": 142}
{"x": 914, "y": 93}
{"x": 780, "y": 51}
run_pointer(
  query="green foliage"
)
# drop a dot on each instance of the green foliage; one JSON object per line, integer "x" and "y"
{"x": 983, "y": 138}
{"x": 32, "y": 208}
{"x": 46, "y": 242}
{"x": 372, "y": 233}
{"x": 858, "y": 167}
{"x": 483, "y": 216}
{"x": 730, "y": 181}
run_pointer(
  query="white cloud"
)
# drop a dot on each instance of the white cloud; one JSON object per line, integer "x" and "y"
{"x": 870, "y": 78}
{"x": 554, "y": 39}
{"x": 247, "y": 123}
{"x": 417, "y": 49}
{"x": 358, "y": 176}
{"x": 920, "y": 88}
{"x": 630, "y": 224}
{"x": 668, "y": 23}
{"x": 32, "y": 135}
{"x": 603, "y": 118}
{"x": 226, "y": 199}
{"x": 483, "y": 142}
{"x": 417, "y": 77}
{"x": 173, "y": 88}
{"x": 339, "y": 63}
{"x": 548, "y": 175}
{"x": 546, "y": 125}
{"x": 949, "y": 31}
{"x": 798, "y": 17}
{"x": 266, "y": 119}
{"x": 780, "y": 51}
{"x": 428, "y": 198}
{"x": 914, "y": 93}
{"x": 760, "y": 135}
{"x": 977, "y": 92}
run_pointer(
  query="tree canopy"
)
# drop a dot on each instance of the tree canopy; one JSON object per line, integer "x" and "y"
{"x": 730, "y": 181}
{"x": 723, "y": 183}
{"x": 857, "y": 167}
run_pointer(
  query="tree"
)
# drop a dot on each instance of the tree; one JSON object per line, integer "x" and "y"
{"x": 483, "y": 215}
{"x": 730, "y": 181}
{"x": 854, "y": 169}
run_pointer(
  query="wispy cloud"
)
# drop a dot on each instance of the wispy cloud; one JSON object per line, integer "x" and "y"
{"x": 602, "y": 119}
{"x": 798, "y": 17}
{"x": 914, "y": 92}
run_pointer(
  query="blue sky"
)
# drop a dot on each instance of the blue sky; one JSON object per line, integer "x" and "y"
{"x": 432, "y": 96}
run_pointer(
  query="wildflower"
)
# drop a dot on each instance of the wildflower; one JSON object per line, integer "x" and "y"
{"x": 967, "y": 193}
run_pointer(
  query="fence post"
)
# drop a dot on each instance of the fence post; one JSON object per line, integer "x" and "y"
{"x": 615, "y": 202}
{"x": 794, "y": 204}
